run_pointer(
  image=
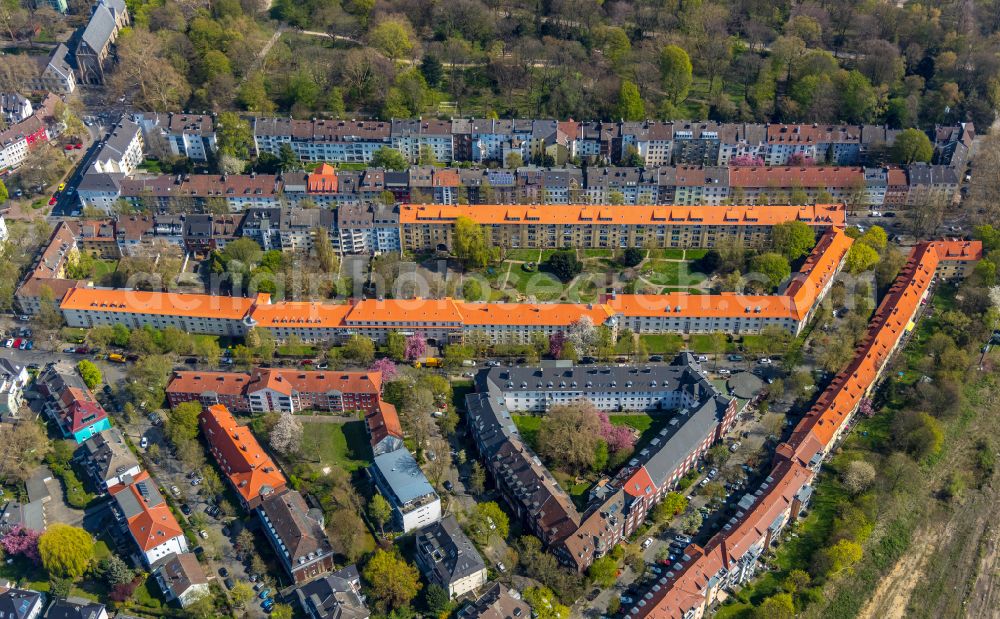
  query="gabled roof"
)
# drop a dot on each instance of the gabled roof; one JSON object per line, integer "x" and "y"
{"x": 383, "y": 422}
{"x": 447, "y": 553}
{"x": 250, "y": 470}
{"x": 149, "y": 518}
{"x": 299, "y": 528}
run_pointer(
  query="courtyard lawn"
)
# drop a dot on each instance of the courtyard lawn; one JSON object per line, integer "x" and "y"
{"x": 528, "y": 426}
{"x": 539, "y": 284}
{"x": 694, "y": 254}
{"x": 662, "y": 343}
{"x": 524, "y": 255}
{"x": 334, "y": 444}
{"x": 103, "y": 267}
{"x": 597, "y": 253}
{"x": 669, "y": 254}
{"x": 672, "y": 273}
{"x": 702, "y": 343}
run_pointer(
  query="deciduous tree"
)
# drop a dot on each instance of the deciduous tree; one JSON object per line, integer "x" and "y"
{"x": 66, "y": 551}
{"x": 390, "y": 580}
{"x": 286, "y": 435}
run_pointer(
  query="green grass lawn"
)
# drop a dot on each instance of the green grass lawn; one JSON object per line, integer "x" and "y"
{"x": 524, "y": 255}
{"x": 344, "y": 445}
{"x": 597, "y": 253}
{"x": 528, "y": 426}
{"x": 672, "y": 273}
{"x": 584, "y": 290}
{"x": 662, "y": 343}
{"x": 694, "y": 254}
{"x": 702, "y": 343}
{"x": 297, "y": 351}
{"x": 103, "y": 267}
{"x": 539, "y": 284}
{"x": 669, "y": 254}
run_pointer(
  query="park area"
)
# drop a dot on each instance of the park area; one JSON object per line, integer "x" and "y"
{"x": 524, "y": 275}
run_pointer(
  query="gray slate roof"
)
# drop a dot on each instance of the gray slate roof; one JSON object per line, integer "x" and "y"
{"x": 74, "y": 608}
{"x": 19, "y": 603}
{"x": 334, "y": 596}
{"x": 446, "y": 553}
{"x": 102, "y": 24}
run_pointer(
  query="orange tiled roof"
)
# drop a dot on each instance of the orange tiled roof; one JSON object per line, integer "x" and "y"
{"x": 323, "y": 179}
{"x": 161, "y": 303}
{"x": 815, "y": 432}
{"x": 438, "y": 311}
{"x": 820, "y": 267}
{"x": 249, "y": 468}
{"x": 154, "y": 524}
{"x": 383, "y": 422}
{"x": 228, "y": 383}
{"x": 726, "y": 304}
{"x": 821, "y": 214}
{"x": 531, "y": 314}
{"x": 318, "y": 381}
{"x": 300, "y": 314}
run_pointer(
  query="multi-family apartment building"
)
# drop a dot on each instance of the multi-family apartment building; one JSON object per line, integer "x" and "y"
{"x": 693, "y": 583}
{"x": 444, "y": 321}
{"x": 20, "y": 137}
{"x": 14, "y": 107}
{"x": 267, "y": 390}
{"x": 54, "y": 73}
{"x": 178, "y": 134}
{"x": 196, "y": 192}
{"x": 703, "y": 416}
{"x": 430, "y": 228}
{"x": 340, "y": 141}
{"x": 447, "y": 558}
{"x": 333, "y": 596}
{"x": 70, "y": 404}
{"x": 296, "y": 533}
{"x": 107, "y": 460}
{"x": 141, "y": 510}
{"x": 247, "y": 467}
{"x": 413, "y": 500}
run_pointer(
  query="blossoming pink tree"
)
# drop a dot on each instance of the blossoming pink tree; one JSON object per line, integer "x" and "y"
{"x": 416, "y": 347}
{"x": 618, "y": 438}
{"x": 556, "y": 342}
{"x": 22, "y": 542}
{"x": 386, "y": 367}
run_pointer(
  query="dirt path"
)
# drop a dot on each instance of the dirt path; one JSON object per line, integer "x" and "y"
{"x": 890, "y": 599}
{"x": 985, "y": 598}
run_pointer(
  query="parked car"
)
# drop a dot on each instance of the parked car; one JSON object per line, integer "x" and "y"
{"x": 203, "y": 534}
{"x": 656, "y": 358}
{"x": 174, "y": 490}
{"x": 448, "y": 485}
{"x": 17, "y": 343}
{"x": 765, "y": 361}
{"x": 143, "y": 442}
{"x": 29, "y": 345}
{"x": 736, "y": 357}
{"x": 263, "y": 594}
{"x": 9, "y": 343}
{"x": 646, "y": 543}
{"x": 185, "y": 509}
{"x": 734, "y": 447}
{"x": 724, "y": 372}
{"x": 229, "y": 583}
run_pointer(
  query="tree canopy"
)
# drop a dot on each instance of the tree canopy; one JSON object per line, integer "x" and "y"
{"x": 66, "y": 551}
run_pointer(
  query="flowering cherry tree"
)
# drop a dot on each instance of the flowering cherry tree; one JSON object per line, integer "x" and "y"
{"x": 618, "y": 438}
{"x": 416, "y": 347}
{"x": 746, "y": 161}
{"x": 22, "y": 541}
{"x": 798, "y": 159}
{"x": 556, "y": 342}
{"x": 386, "y": 367}
{"x": 866, "y": 407}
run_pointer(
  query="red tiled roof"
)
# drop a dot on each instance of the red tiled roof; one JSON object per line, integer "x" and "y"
{"x": 318, "y": 381}
{"x": 383, "y": 422}
{"x": 228, "y": 383}
{"x": 154, "y": 524}
{"x": 249, "y": 468}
